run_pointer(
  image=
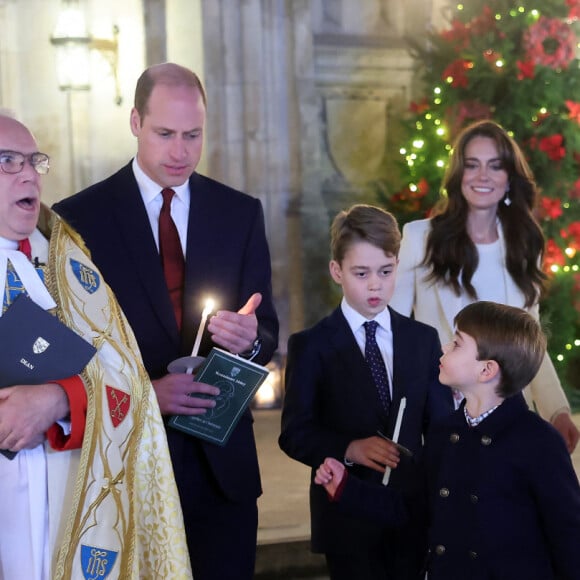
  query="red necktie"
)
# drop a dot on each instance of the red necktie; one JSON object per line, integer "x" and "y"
{"x": 24, "y": 247}
{"x": 171, "y": 254}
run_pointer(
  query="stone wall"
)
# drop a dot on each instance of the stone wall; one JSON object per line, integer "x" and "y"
{"x": 305, "y": 97}
{"x": 303, "y": 100}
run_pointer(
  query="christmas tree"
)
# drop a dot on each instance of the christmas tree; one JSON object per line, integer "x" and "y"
{"x": 515, "y": 63}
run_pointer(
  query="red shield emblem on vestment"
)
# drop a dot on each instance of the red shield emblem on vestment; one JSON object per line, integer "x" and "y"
{"x": 119, "y": 405}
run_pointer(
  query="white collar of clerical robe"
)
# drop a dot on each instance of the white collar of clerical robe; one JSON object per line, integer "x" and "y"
{"x": 26, "y": 272}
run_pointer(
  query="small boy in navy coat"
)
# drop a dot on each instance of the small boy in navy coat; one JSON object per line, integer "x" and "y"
{"x": 336, "y": 404}
{"x": 504, "y": 500}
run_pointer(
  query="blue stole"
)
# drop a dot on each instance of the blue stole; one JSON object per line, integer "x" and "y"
{"x": 14, "y": 285}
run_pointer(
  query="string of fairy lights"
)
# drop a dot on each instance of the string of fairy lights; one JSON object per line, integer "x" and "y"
{"x": 431, "y": 125}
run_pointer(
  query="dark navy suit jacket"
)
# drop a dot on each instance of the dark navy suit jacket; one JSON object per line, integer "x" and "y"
{"x": 504, "y": 501}
{"x": 227, "y": 257}
{"x": 331, "y": 399}
{"x": 512, "y": 505}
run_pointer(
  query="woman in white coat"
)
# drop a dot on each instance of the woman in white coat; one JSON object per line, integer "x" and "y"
{"x": 482, "y": 243}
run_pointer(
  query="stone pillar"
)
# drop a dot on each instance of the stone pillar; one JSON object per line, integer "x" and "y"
{"x": 303, "y": 100}
{"x": 155, "y": 31}
{"x": 254, "y": 123}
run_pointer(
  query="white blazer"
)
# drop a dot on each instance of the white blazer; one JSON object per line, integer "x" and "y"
{"x": 437, "y": 304}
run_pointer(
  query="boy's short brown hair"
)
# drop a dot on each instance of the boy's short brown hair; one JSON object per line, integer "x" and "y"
{"x": 364, "y": 223}
{"x": 508, "y": 335}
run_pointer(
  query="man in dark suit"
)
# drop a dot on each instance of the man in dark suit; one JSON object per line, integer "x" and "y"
{"x": 222, "y": 235}
{"x": 334, "y": 406}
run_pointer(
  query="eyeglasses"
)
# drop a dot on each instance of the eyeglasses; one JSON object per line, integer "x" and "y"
{"x": 13, "y": 162}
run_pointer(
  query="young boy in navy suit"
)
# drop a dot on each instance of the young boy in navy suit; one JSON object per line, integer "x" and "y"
{"x": 504, "y": 500}
{"x": 344, "y": 386}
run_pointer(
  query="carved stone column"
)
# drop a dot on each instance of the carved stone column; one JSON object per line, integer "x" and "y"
{"x": 255, "y": 124}
{"x": 302, "y": 100}
{"x": 155, "y": 33}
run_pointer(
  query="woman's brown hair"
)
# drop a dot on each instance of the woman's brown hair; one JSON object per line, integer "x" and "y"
{"x": 451, "y": 254}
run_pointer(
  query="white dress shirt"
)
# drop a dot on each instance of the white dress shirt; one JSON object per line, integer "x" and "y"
{"x": 384, "y": 334}
{"x": 153, "y": 200}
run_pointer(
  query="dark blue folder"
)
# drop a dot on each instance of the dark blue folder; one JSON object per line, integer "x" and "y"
{"x": 36, "y": 348}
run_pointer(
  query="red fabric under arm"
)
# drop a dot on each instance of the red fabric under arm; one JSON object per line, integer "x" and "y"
{"x": 77, "y": 398}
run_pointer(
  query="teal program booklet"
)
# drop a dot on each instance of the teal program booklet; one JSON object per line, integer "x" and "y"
{"x": 238, "y": 380}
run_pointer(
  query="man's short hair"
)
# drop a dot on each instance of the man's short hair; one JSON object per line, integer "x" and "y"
{"x": 510, "y": 336}
{"x": 364, "y": 223}
{"x": 169, "y": 74}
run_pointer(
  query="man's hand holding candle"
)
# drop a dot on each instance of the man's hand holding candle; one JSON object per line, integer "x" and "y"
{"x": 232, "y": 331}
{"x": 236, "y": 331}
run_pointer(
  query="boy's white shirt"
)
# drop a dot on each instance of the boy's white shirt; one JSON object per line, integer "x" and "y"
{"x": 384, "y": 334}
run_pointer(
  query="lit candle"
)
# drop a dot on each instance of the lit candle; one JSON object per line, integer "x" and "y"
{"x": 395, "y": 439}
{"x": 209, "y": 306}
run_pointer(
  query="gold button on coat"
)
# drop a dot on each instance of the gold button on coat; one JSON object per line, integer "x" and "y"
{"x": 440, "y": 550}
{"x": 485, "y": 440}
{"x": 454, "y": 437}
{"x": 444, "y": 492}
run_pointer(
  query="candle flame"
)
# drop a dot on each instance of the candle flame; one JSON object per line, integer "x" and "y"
{"x": 209, "y": 306}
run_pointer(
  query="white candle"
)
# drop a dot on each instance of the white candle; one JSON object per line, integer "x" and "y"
{"x": 209, "y": 306}
{"x": 395, "y": 439}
